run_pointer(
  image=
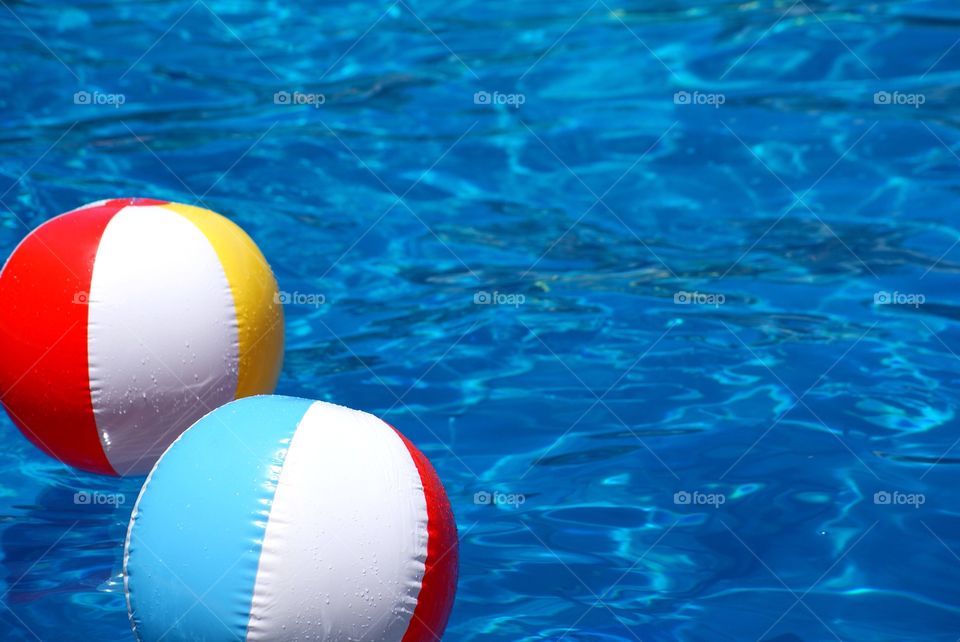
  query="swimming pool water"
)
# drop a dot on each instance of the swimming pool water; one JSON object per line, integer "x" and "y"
{"x": 666, "y": 290}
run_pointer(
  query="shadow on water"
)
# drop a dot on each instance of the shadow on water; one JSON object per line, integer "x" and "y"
{"x": 66, "y": 547}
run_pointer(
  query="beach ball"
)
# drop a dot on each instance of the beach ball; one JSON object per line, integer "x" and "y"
{"x": 124, "y": 321}
{"x": 278, "y": 518}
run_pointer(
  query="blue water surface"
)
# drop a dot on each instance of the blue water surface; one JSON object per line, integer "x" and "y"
{"x": 666, "y": 290}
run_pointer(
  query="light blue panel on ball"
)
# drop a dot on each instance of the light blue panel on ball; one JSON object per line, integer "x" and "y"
{"x": 194, "y": 544}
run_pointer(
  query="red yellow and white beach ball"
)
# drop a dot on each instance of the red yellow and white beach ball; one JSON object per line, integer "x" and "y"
{"x": 124, "y": 321}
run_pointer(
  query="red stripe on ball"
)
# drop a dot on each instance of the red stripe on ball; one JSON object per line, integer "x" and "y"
{"x": 439, "y": 585}
{"x": 44, "y": 377}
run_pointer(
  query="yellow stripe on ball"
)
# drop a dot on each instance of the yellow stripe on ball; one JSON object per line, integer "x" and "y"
{"x": 255, "y": 298}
